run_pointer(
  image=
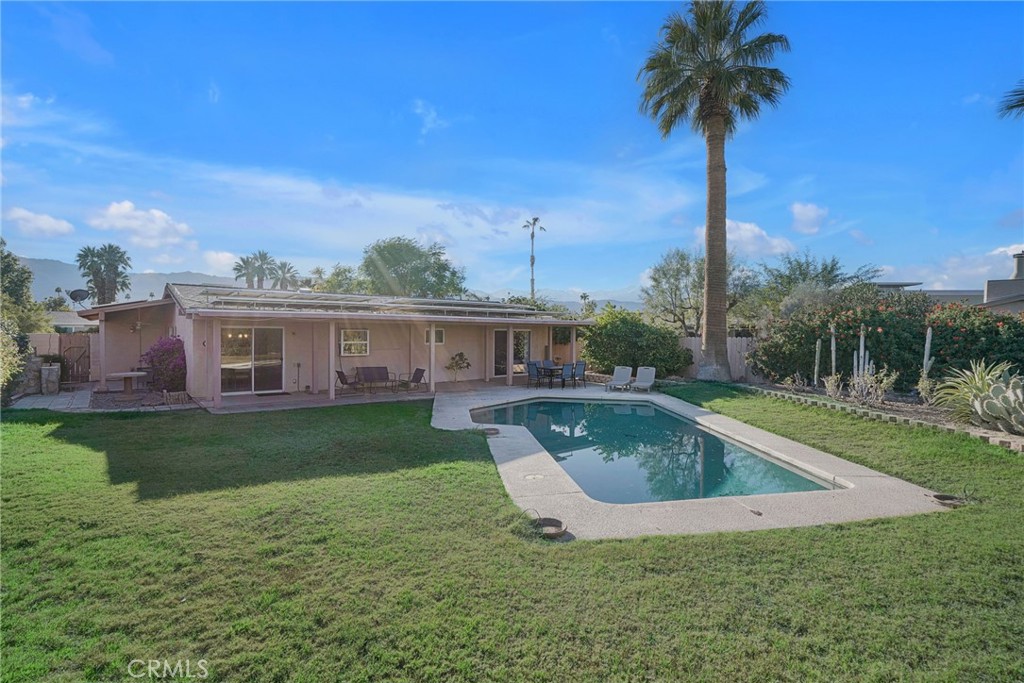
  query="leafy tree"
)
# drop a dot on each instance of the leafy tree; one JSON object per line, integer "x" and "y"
{"x": 245, "y": 268}
{"x": 284, "y": 275}
{"x": 705, "y": 71}
{"x": 797, "y": 276}
{"x": 1012, "y": 105}
{"x": 15, "y": 277}
{"x": 675, "y": 296}
{"x": 105, "y": 270}
{"x": 588, "y": 307}
{"x": 532, "y": 226}
{"x": 621, "y": 337}
{"x": 400, "y": 266}
{"x": 19, "y": 309}
{"x": 55, "y": 303}
{"x": 342, "y": 280}
{"x": 262, "y": 267}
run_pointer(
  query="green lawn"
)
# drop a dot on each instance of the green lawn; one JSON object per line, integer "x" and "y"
{"x": 358, "y": 544}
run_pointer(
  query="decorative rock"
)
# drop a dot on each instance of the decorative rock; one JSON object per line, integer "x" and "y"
{"x": 49, "y": 379}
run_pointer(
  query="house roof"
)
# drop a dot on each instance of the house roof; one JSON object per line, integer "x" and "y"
{"x": 1003, "y": 300}
{"x": 238, "y": 302}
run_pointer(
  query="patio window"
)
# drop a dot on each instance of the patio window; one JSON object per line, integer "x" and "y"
{"x": 438, "y": 335}
{"x": 355, "y": 343}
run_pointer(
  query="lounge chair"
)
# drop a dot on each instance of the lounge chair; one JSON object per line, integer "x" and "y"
{"x": 644, "y": 379}
{"x": 344, "y": 381}
{"x": 579, "y": 373}
{"x": 567, "y": 374}
{"x": 409, "y": 382}
{"x": 620, "y": 378}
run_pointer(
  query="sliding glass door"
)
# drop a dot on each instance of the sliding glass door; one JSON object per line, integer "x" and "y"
{"x": 520, "y": 352}
{"x": 251, "y": 359}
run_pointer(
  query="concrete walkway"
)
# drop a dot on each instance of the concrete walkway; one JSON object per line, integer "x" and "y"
{"x": 535, "y": 481}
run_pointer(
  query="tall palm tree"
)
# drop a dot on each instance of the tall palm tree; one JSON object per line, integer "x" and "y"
{"x": 244, "y": 268}
{"x": 284, "y": 275}
{"x": 532, "y": 226}
{"x": 105, "y": 270}
{"x": 705, "y": 71}
{"x": 263, "y": 267}
{"x": 1012, "y": 105}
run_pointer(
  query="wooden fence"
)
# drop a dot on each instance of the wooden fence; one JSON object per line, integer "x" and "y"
{"x": 738, "y": 348}
{"x": 75, "y": 349}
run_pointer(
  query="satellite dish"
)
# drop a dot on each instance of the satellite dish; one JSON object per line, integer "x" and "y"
{"x": 78, "y": 295}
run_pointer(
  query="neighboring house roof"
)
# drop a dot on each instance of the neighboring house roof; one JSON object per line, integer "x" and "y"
{"x": 68, "y": 319}
{"x": 1002, "y": 301}
{"x": 235, "y": 302}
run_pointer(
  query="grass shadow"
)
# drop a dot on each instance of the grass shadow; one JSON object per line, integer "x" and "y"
{"x": 168, "y": 454}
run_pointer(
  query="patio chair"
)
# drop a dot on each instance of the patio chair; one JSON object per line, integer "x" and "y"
{"x": 579, "y": 373}
{"x": 344, "y": 381}
{"x": 567, "y": 375}
{"x": 548, "y": 363}
{"x": 620, "y": 378}
{"x": 532, "y": 374}
{"x": 644, "y": 379}
{"x": 408, "y": 381}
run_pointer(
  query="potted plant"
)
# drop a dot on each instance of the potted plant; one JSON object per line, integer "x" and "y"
{"x": 457, "y": 363}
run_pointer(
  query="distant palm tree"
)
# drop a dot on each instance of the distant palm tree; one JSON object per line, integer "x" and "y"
{"x": 317, "y": 273}
{"x": 1012, "y": 105}
{"x": 244, "y": 268}
{"x": 263, "y": 267}
{"x": 532, "y": 226}
{"x": 105, "y": 270}
{"x": 284, "y": 275}
{"x": 706, "y": 72}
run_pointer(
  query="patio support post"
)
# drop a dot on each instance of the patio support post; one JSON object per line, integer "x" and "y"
{"x": 487, "y": 364}
{"x": 214, "y": 347}
{"x": 332, "y": 340}
{"x": 551, "y": 343}
{"x": 103, "y": 351}
{"x": 508, "y": 357}
{"x": 432, "y": 348}
{"x": 572, "y": 344}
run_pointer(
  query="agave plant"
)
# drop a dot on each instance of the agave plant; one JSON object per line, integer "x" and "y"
{"x": 1002, "y": 406}
{"x": 961, "y": 388}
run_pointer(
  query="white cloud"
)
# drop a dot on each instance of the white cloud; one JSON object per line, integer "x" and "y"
{"x": 72, "y": 30}
{"x": 167, "y": 259}
{"x": 808, "y": 218}
{"x": 1007, "y": 250}
{"x": 749, "y": 239}
{"x": 428, "y": 114}
{"x": 860, "y": 237}
{"x": 38, "y": 224}
{"x": 219, "y": 262}
{"x": 213, "y": 93}
{"x": 150, "y": 228}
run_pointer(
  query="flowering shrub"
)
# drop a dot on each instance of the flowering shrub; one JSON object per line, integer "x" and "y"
{"x": 167, "y": 358}
{"x": 961, "y": 334}
{"x": 894, "y": 335}
{"x": 895, "y": 325}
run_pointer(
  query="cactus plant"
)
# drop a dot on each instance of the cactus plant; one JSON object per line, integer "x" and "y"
{"x": 1002, "y": 406}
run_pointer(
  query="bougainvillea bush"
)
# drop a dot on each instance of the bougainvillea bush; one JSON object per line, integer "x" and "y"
{"x": 895, "y": 324}
{"x": 167, "y": 358}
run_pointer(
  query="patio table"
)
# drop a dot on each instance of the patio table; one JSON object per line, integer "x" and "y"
{"x": 551, "y": 373}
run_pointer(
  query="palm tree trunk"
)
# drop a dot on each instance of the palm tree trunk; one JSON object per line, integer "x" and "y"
{"x": 715, "y": 363}
{"x": 533, "y": 296}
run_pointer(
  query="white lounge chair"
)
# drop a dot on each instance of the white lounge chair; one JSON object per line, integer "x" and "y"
{"x": 644, "y": 379}
{"x": 620, "y": 378}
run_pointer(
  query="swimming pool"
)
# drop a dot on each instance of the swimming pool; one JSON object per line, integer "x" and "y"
{"x": 637, "y": 453}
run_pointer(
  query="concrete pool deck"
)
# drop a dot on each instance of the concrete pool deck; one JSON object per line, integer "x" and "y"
{"x": 535, "y": 481}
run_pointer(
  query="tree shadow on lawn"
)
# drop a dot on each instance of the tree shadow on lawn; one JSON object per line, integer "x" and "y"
{"x": 169, "y": 454}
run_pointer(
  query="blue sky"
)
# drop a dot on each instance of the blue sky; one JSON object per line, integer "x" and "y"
{"x": 192, "y": 133}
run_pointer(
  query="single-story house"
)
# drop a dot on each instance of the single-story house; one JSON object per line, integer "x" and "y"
{"x": 262, "y": 341}
{"x": 70, "y": 322}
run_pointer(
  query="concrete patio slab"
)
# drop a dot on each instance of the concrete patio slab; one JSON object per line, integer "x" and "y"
{"x": 536, "y": 482}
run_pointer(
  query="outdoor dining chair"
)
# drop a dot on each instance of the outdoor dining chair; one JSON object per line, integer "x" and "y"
{"x": 415, "y": 380}
{"x": 579, "y": 373}
{"x": 532, "y": 374}
{"x": 567, "y": 375}
{"x": 344, "y": 381}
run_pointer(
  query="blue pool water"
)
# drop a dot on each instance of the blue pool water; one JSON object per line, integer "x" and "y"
{"x": 638, "y": 453}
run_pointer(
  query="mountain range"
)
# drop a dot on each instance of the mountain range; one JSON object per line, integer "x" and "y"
{"x": 48, "y": 274}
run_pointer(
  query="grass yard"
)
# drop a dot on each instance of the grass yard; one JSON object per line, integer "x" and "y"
{"x": 358, "y": 544}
